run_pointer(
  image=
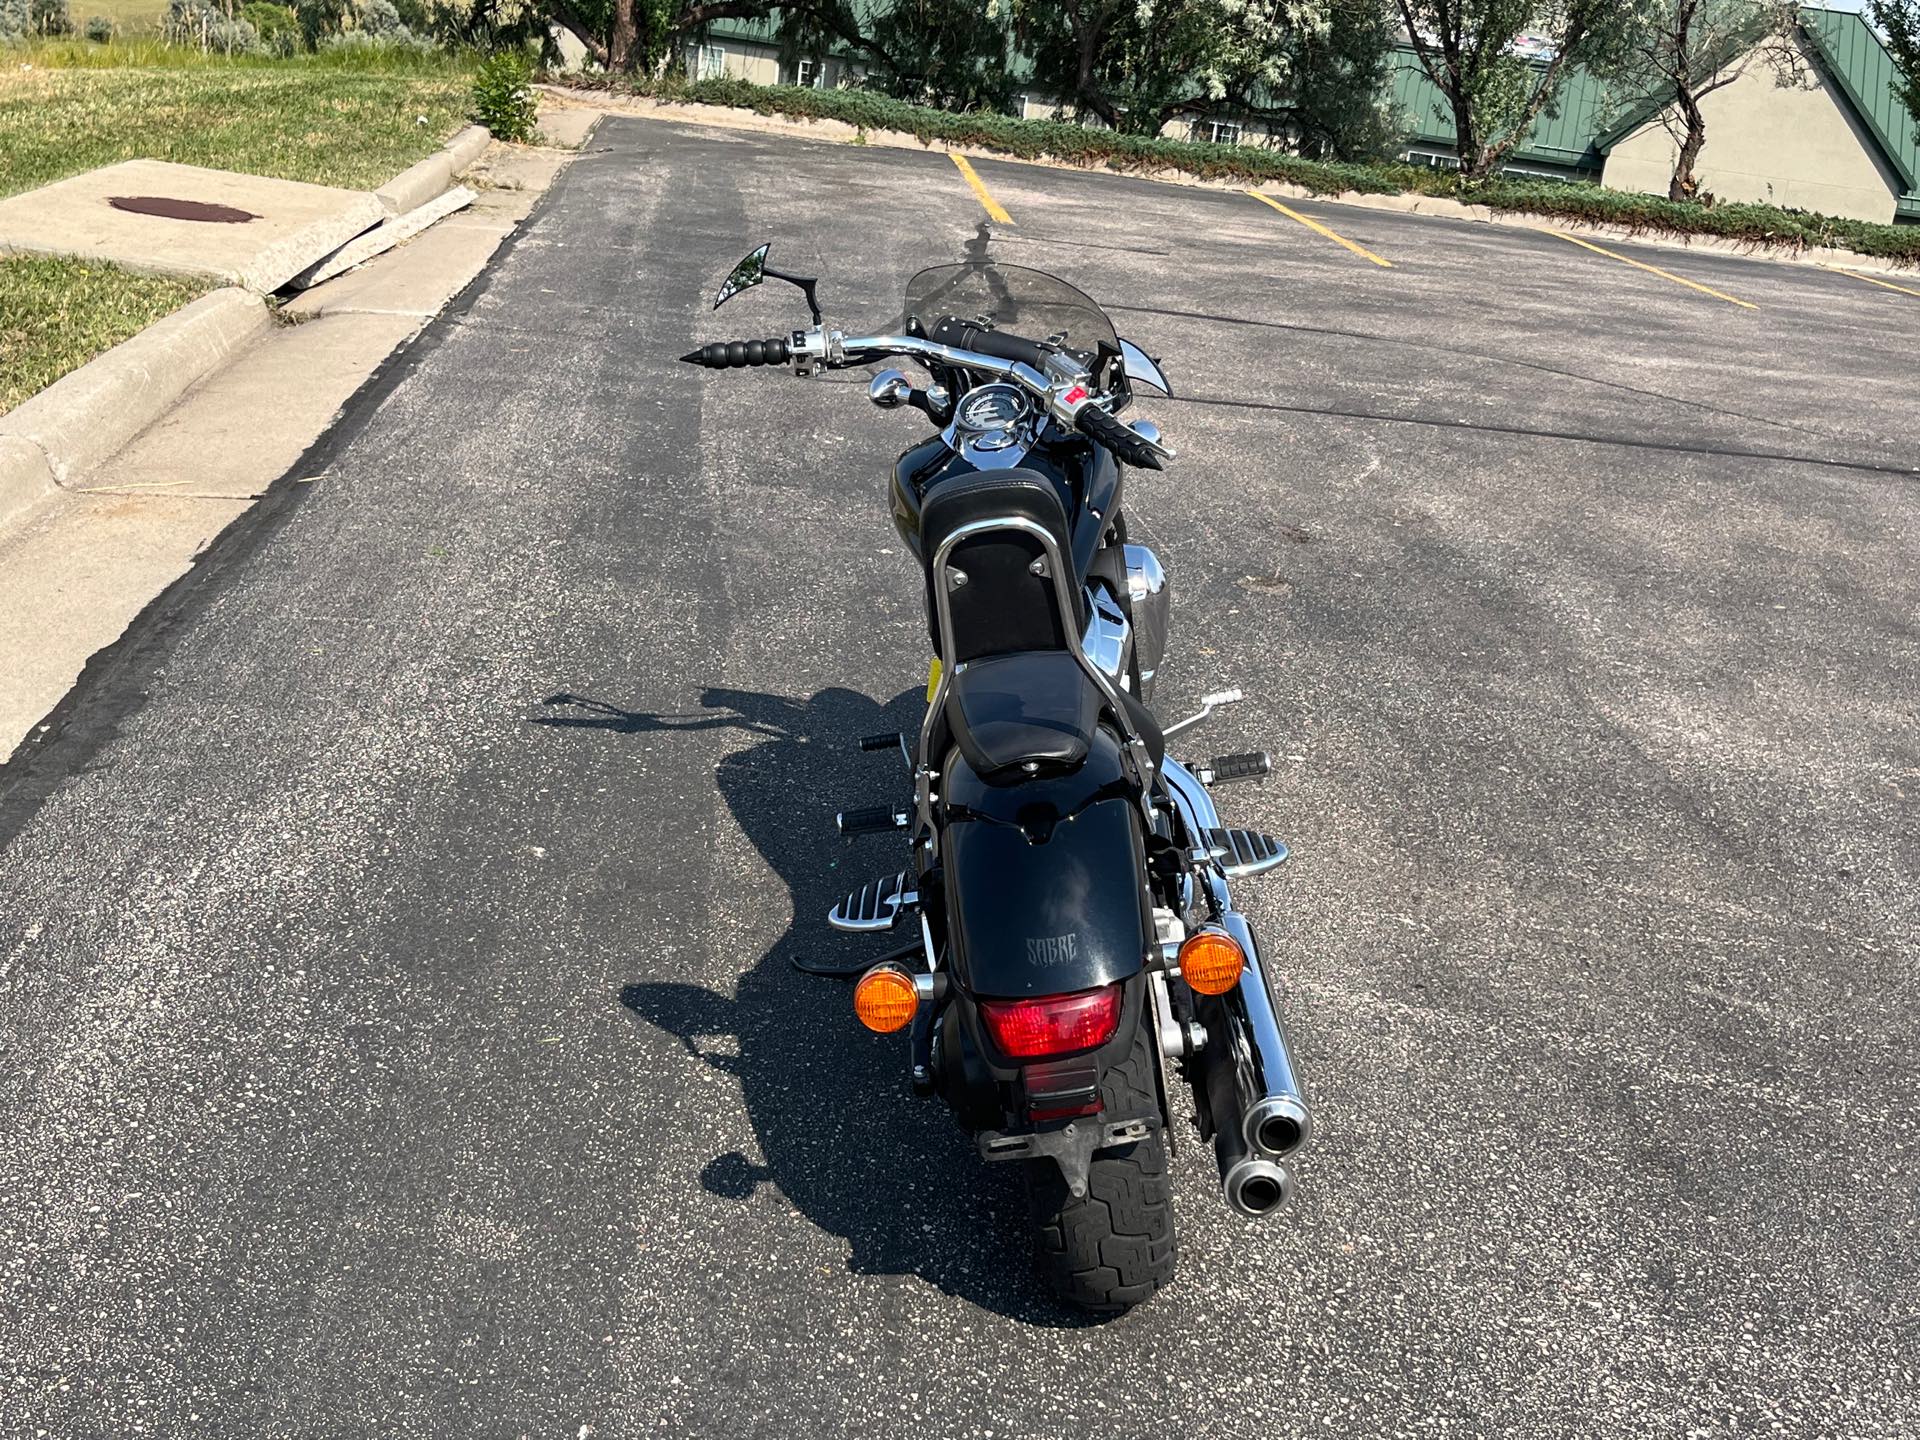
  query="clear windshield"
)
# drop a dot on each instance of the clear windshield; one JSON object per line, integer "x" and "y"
{"x": 1027, "y": 303}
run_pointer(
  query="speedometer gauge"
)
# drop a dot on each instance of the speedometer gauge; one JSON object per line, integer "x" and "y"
{"x": 991, "y": 407}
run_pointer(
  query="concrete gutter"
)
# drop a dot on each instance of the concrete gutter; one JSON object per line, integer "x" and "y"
{"x": 730, "y": 118}
{"x": 417, "y": 184}
{"x": 85, "y": 418}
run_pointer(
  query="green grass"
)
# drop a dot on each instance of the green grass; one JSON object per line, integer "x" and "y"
{"x": 56, "y": 315}
{"x": 70, "y": 106}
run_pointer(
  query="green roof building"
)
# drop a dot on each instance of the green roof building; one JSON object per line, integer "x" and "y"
{"x": 1840, "y": 143}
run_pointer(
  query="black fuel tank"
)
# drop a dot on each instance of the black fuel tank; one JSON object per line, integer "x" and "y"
{"x": 1045, "y": 879}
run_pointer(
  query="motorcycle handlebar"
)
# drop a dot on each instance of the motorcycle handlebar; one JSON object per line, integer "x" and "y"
{"x": 1119, "y": 437}
{"x": 733, "y": 354}
{"x": 981, "y": 354}
{"x": 963, "y": 335}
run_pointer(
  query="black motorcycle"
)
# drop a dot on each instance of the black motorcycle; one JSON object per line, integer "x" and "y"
{"x": 1076, "y": 946}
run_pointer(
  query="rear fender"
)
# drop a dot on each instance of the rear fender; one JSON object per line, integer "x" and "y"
{"x": 1045, "y": 892}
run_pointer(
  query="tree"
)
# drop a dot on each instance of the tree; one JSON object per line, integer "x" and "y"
{"x": 1075, "y": 45}
{"x": 934, "y": 52}
{"x": 1470, "y": 49}
{"x": 1137, "y": 64}
{"x": 1899, "y": 22}
{"x": 1339, "y": 93}
{"x": 1687, "y": 50}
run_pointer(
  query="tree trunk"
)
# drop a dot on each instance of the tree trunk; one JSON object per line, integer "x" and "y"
{"x": 1466, "y": 140}
{"x": 581, "y": 31}
{"x": 622, "y": 51}
{"x": 1685, "y": 186}
{"x": 1085, "y": 96}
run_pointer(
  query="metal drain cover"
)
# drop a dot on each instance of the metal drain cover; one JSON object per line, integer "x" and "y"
{"x": 168, "y": 208}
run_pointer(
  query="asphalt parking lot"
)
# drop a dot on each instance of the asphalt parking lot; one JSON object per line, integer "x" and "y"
{"x": 400, "y": 1033}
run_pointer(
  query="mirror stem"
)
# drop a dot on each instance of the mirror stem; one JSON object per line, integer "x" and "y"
{"x": 806, "y": 288}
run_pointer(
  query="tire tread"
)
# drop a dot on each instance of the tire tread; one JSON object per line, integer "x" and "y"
{"x": 1114, "y": 1247}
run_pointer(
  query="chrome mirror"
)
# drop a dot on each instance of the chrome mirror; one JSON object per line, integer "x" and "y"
{"x": 747, "y": 274}
{"x": 890, "y": 389}
{"x": 1141, "y": 368}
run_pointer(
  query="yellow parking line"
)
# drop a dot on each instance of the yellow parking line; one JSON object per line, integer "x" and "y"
{"x": 995, "y": 210}
{"x": 1318, "y": 228}
{"x": 1656, "y": 270}
{"x": 1883, "y": 284}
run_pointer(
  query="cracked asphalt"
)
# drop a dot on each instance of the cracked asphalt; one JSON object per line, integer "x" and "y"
{"x": 399, "y": 1029}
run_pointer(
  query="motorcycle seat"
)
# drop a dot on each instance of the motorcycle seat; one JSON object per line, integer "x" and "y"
{"x": 1033, "y": 707}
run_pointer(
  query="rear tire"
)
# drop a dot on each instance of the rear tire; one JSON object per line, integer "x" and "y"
{"x": 1110, "y": 1249}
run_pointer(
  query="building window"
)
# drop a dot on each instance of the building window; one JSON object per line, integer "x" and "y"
{"x": 712, "y": 63}
{"x": 808, "y": 73}
{"x": 1223, "y": 132}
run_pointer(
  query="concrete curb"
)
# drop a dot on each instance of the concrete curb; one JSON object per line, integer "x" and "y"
{"x": 85, "y": 418}
{"x": 728, "y": 117}
{"x": 417, "y": 184}
{"x": 25, "y": 478}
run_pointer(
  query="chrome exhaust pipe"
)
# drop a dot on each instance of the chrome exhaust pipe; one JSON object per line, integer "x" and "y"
{"x": 1256, "y": 1187}
{"x": 1275, "y": 1120}
{"x": 1249, "y": 1182}
{"x": 1251, "y": 1088}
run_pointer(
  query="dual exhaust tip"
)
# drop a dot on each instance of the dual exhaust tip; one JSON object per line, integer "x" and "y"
{"x": 1254, "y": 1182}
{"x": 1255, "y": 1186}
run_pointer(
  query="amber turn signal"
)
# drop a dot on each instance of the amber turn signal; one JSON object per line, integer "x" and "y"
{"x": 885, "y": 999}
{"x": 1210, "y": 962}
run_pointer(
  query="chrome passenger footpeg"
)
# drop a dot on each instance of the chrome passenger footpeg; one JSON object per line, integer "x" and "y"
{"x": 1245, "y": 852}
{"x": 1208, "y": 703}
{"x": 874, "y": 906}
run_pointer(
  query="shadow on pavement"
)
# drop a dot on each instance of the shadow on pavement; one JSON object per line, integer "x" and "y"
{"x": 843, "y": 1139}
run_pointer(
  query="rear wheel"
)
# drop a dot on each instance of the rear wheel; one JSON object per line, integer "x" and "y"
{"x": 1111, "y": 1248}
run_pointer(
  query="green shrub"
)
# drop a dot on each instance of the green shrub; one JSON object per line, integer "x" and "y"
{"x": 1760, "y": 225}
{"x": 320, "y": 18}
{"x": 397, "y": 41}
{"x": 205, "y": 26}
{"x": 99, "y": 28}
{"x": 49, "y": 18}
{"x": 274, "y": 24}
{"x": 13, "y": 19}
{"x": 503, "y": 96}
{"x": 381, "y": 20}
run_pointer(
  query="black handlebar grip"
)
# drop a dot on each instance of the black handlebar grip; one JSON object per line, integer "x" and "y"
{"x": 1096, "y": 424}
{"x": 735, "y": 354}
{"x": 889, "y": 741}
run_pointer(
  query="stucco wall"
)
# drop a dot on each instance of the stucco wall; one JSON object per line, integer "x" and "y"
{"x": 1782, "y": 146}
{"x": 739, "y": 61}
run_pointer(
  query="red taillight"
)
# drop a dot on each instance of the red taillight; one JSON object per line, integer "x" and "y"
{"x": 1053, "y": 1024}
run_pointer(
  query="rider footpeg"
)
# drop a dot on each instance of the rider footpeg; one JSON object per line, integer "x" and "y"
{"x": 1225, "y": 769}
{"x": 1244, "y": 852}
{"x": 874, "y": 906}
{"x": 873, "y": 820}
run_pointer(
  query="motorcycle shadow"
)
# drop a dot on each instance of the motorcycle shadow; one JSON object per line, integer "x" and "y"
{"x": 840, "y": 1135}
